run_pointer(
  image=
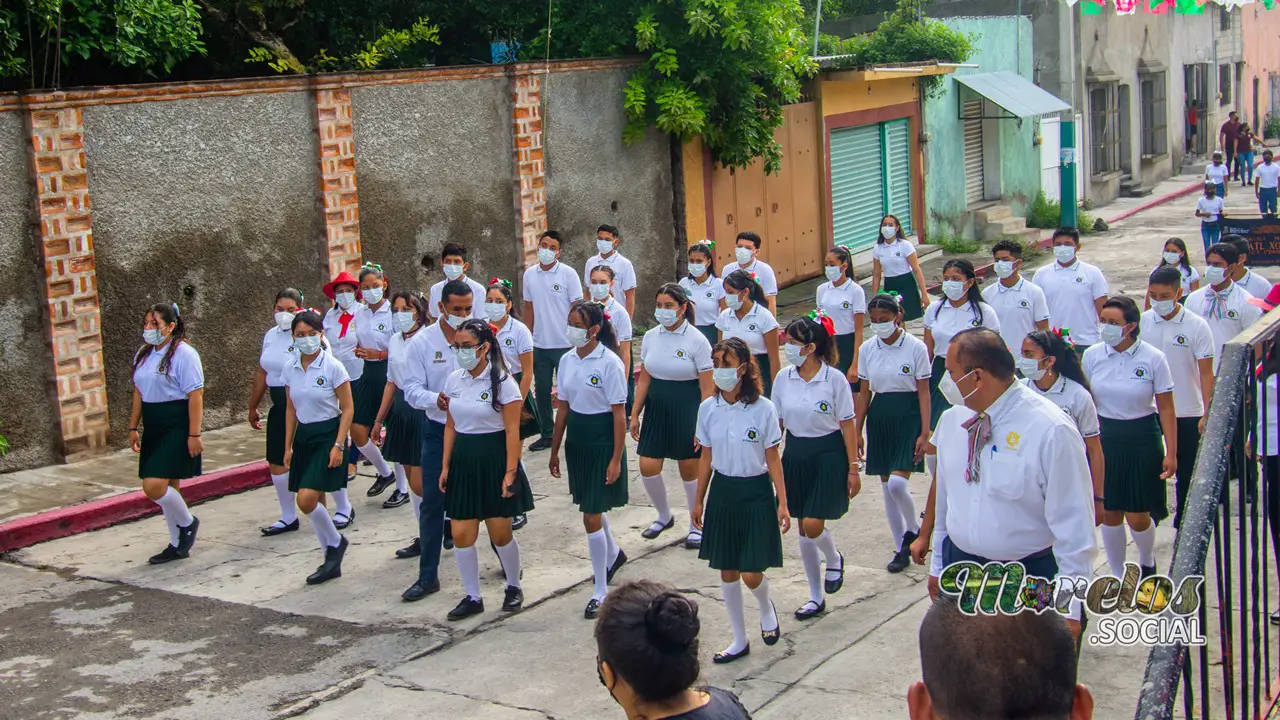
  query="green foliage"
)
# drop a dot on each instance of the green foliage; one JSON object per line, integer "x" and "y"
{"x": 1271, "y": 127}
{"x": 1086, "y": 223}
{"x": 956, "y": 244}
{"x": 390, "y": 49}
{"x": 4, "y": 445}
{"x": 1044, "y": 213}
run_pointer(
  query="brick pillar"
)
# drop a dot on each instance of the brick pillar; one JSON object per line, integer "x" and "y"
{"x": 70, "y": 282}
{"x": 526, "y": 109}
{"x": 338, "y": 179}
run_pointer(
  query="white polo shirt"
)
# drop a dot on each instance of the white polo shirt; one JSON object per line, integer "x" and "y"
{"x": 1217, "y": 173}
{"x": 314, "y": 391}
{"x": 894, "y": 257}
{"x": 343, "y": 347}
{"x": 943, "y": 320}
{"x": 843, "y": 304}
{"x": 398, "y": 369}
{"x": 738, "y": 435}
{"x": 624, "y": 273}
{"x": 1125, "y": 384}
{"x": 478, "y": 293}
{"x": 1227, "y": 318}
{"x": 1257, "y": 285}
{"x": 471, "y": 401}
{"x": 1070, "y": 293}
{"x": 750, "y": 327}
{"x": 764, "y": 273}
{"x": 1189, "y": 275}
{"x": 895, "y": 367}
{"x": 1185, "y": 339}
{"x": 680, "y": 354}
{"x": 184, "y": 375}
{"x": 427, "y": 367}
{"x": 374, "y": 327}
{"x": 1074, "y": 400}
{"x": 551, "y": 292}
{"x": 515, "y": 340}
{"x": 277, "y": 351}
{"x": 1034, "y": 489}
{"x": 1267, "y": 441}
{"x": 593, "y": 384}
{"x": 1019, "y": 307}
{"x": 1268, "y": 175}
{"x": 1212, "y": 207}
{"x": 705, "y": 297}
{"x": 813, "y": 408}
{"x": 619, "y": 318}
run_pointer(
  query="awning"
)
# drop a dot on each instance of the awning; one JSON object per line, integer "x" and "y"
{"x": 1014, "y": 93}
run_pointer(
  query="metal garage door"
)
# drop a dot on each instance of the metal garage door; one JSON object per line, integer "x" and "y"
{"x": 897, "y": 153}
{"x": 973, "y": 176}
{"x": 857, "y": 186}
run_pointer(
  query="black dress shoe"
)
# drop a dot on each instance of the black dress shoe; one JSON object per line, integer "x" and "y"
{"x": 169, "y": 554}
{"x": 447, "y": 540}
{"x": 540, "y": 444}
{"x": 722, "y": 658}
{"x": 656, "y": 529}
{"x": 593, "y": 607}
{"x": 519, "y": 521}
{"x": 693, "y": 541}
{"x": 833, "y": 586}
{"x": 900, "y": 561}
{"x": 1147, "y": 571}
{"x": 332, "y": 567}
{"x": 187, "y": 536}
{"x": 380, "y": 485}
{"x": 412, "y": 550}
{"x": 513, "y": 599}
{"x": 346, "y": 520}
{"x": 465, "y": 609}
{"x": 418, "y": 590}
{"x": 771, "y": 637}
{"x": 396, "y": 500}
{"x": 811, "y": 609}
{"x": 617, "y": 564}
{"x": 278, "y": 529}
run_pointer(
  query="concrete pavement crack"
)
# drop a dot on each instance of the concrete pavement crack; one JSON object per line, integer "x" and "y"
{"x": 496, "y": 703}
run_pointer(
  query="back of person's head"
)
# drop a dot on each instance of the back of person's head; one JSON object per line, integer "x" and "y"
{"x": 983, "y": 349}
{"x": 988, "y": 667}
{"x": 647, "y": 637}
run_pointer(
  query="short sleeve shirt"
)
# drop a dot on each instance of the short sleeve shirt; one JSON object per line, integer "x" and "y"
{"x": 1071, "y": 293}
{"x": 398, "y": 358}
{"x": 813, "y": 408}
{"x": 593, "y": 384}
{"x": 944, "y": 320}
{"x": 738, "y": 435}
{"x": 894, "y": 257}
{"x": 750, "y": 327}
{"x": 343, "y": 347}
{"x": 313, "y": 390}
{"x": 1257, "y": 285}
{"x": 551, "y": 292}
{"x": 680, "y": 354}
{"x": 1075, "y": 401}
{"x": 764, "y": 273}
{"x": 624, "y": 273}
{"x": 515, "y": 340}
{"x": 1211, "y": 207}
{"x": 471, "y": 401}
{"x": 705, "y": 297}
{"x": 1217, "y": 173}
{"x": 1189, "y": 275}
{"x": 843, "y": 304}
{"x": 277, "y": 351}
{"x": 1268, "y": 175}
{"x": 1019, "y": 307}
{"x": 374, "y": 327}
{"x": 894, "y": 367}
{"x": 184, "y": 375}
{"x": 478, "y": 292}
{"x": 1185, "y": 339}
{"x": 1125, "y": 384}
{"x": 619, "y": 318}
{"x": 1227, "y": 316}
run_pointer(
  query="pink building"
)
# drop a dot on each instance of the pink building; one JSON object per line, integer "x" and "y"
{"x": 1259, "y": 85}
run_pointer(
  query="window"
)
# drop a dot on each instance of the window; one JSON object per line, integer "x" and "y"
{"x": 1224, "y": 84}
{"x": 1155, "y": 138}
{"x": 1104, "y": 127}
{"x": 1224, "y": 19}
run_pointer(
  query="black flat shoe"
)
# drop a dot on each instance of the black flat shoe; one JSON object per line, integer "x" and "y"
{"x": 346, "y": 520}
{"x": 419, "y": 590}
{"x": 396, "y": 500}
{"x": 811, "y": 609}
{"x": 1147, "y": 571}
{"x": 722, "y": 658}
{"x": 513, "y": 600}
{"x": 833, "y": 586}
{"x": 540, "y": 444}
{"x": 278, "y": 529}
{"x": 447, "y": 540}
{"x": 617, "y": 563}
{"x": 656, "y": 529}
{"x": 771, "y": 637}
{"x": 187, "y": 536}
{"x": 593, "y": 607}
{"x": 169, "y": 554}
{"x": 380, "y": 485}
{"x": 465, "y": 609}
{"x": 519, "y": 521}
{"x": 412, "y": 550}
{"x": 693, "y": 541}
{"x": 332, "y": 567}
{"x": 900, "y": 561}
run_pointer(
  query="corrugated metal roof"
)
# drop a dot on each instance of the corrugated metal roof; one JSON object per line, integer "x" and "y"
{"x": 1014, "y": 93}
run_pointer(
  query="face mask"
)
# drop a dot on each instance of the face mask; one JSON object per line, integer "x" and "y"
{"x": 454, "y": 321}
{"x": 1266, "y": 161}
{"x": 953, "y": 289}
{"x": 1172, "y": 258}
{"x": 284, "y": 320}
{"x": 951, "y": 391}
{"x": 308, "y": 345}
{"x": 888, "y": 232}
{"x": 453, "y": 272}
{"x": 403, "y": 320}
{"x": 599, "y": 291}
{"x": 576, "y": 336}
{"x": 468, "y": 358}
{"x": 725, "y": 378}
{"x": 1112, "y": 335}
{"x": 495, "y": 311}
{"x": 1030, "y": 368}
{"x": 152, "y": 337}
{"x": 1064, "y": 253}
{"x": 666, "y": 317}
{"x": 793, "y": 353}
{"x": 373, "y": 297}
{"x": 733, "y": 302}
{"x": 546, "y": 257}
{"x": 1004, "y": 268}
{"x": 834, "y": 272}
{"x": 604, "y": 246}
{"x": 1164, "y": 307}
{"x": 743, "y": 255}
{"x": 1215, "y": 275}
{"x": 345, "y": 299}
{"x": 883, "y": 330}
{"x": 697, "y": 269}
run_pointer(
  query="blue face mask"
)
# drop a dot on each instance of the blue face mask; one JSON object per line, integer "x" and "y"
{"x": 666, "y": 317}
{"x": 153, "y": 337}
{"x": 307, "y": 345}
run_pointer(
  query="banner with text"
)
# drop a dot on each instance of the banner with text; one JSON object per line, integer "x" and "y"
{"x": 1263, "y": 235}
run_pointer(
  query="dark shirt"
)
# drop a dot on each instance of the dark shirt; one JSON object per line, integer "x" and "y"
{"x": 1229, "y": 130}
{"x": 724, "y": 705}
{"x": 1244, "y": 142}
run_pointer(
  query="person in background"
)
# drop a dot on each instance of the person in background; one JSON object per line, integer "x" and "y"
{"x": 1187, "y": 343}
{"x": 748, "y": 318}
{"x": 1175, "y": 256}
{"x": 277, "y": 351}
{"x": 343, "y": 340}
{"x": 1222, "y": 303}
{"x": 1217, "y": 173}
{"x": 1241, "y": 274}
{"x": 895, "y": 267}
{"x": 1245, "y": 140}
{"x": 1017, "y": 301}
{"x": 1193, "y": 124}
{"x": 624, "y": 273}
{"x": 1227, "y": 141}
{"x": 601, "y": 286}
{"x": 398, "y": 427}
{"x": 647, "y": 656}
{"x": 517, "y": 352}
{"x": 549, "y": 288}
{"x": 842, "y": 299}
{"x": 1074, "y": 290}
{"x": 1267, "y": 183}
{"x": 454, "y": 263}
{"x": 745, "y": 254}
{"x": 704, "y": 289}
{"x": 374, "y": 328}
{"x": 1210, "y": 210}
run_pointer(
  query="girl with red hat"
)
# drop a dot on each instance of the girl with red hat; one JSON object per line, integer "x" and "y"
{"x": 374, "y": 328}
{"x": 340, "y": 333}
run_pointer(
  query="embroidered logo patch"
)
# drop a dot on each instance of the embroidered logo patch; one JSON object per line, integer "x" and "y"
{"x": 1024, "y": 304}
{"x": 1079, "y": 279}
{"x": 509, "y": 342}
{"x": 438, "y": 355}
{"x": 752, "y": 435}
{"x": 484, "y": 396}
{"x": 1012, "y": 440}
{"x": 680, "y": 354}
{"x": 845, "y": 305}
{"x": 555, "y": 287}
{"x": 823, "y": 407}
{"x": 1140, "y": 373}
{"x": 1181, "y": 340}
{"x": 906, "y": 369}
{"x": 594, "y": 380}
{"x": 382, "y": 327}
{"x": 752, "y": 327}
{"x": 320, "y": 382}
{"x": 1232, "y": 314}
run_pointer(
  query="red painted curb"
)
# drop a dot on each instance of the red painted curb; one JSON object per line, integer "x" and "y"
{"x": 108, "y": 511}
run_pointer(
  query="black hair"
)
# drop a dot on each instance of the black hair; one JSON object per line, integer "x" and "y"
{"x": 311, "y": 319}
{"x": 498, "y": 372}
{"x": 415, "y": 301}
{"x": 1128, "y": 308}
{"x": 1165, "y": 275}
{"x": 1237, "y": 242}
{"x": 593, "y": 314}
{"x": 554, "y": 235}
{"x": 677, "y": 293}
{"x": 705, "y": 249}
{"x": 983, "y": 348}
{"x": 502, "y": 287}
{"x": 974, "y": 295}
{"x": 750, "y": 384}
{"x": 454, "y": 288}
{"x": 1226, "y": 251}
{"x": 1182, "y": 247}
{"x": 1065, "y": 361}
{"x": 607, "y": 269}
{"x": 453, "y": 250}
{"x": 371, "y": 269}
{"x": 884, "y": 301}
{"x": 1012, "y": 247}
{"x": 740, "y": 280}
{"x": 897, "y": 224}
{"x": 648, "y": 633}
{"x": 609, "y": 229}
{"x": 807, "y": 330}
{"x": 290, "y": 294}
{"x": 842, "y": 255}
{"x": 1268, "y": 152}
{"x": 1066, "y": 231}
{"x": 749, "y": 235}
{"x": 168, "y": 313}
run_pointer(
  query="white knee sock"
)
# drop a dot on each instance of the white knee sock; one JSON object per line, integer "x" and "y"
{"x": 1114, "y": 541}
{"x": 326, "y": 532}
{"x": 598, "y": 544}
{"x": 374, "y": 456}
{"x": 768, "y": 618}
{"x": 691, "y": 497}
{"x": 906, "y": 504}
{"x": 826, "y": 542}
{"x": 341, "y": 503}
{"x": 402, "y": 478}
{"x": 288, "y": 505}
{"x": 416, "y": 501}
{"x": 608, "y": 534}
{"x": 891, "y": 513}
{"x": 509, "y": 556}
{"x": 811, "y": 557}
{"x": 469, "y": 570}
{"x": 1145, "y": 541}
{"x": 175, "y": 512}
{"x": 657, "y": 490}
{"x": 931, "y": 464}
{"x": 732, "y": 594}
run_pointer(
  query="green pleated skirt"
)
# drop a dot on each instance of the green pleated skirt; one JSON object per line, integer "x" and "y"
{"x": 844, "y": 358}
{"x": 402, "y": 432}
{"x": 275, "y": 425}
{"x": 1133, "y": 453}
{"x": 309, "y": 468}
{"x": 766, "y": 375}
{"x": 165, "y": 427}
{"x": 710, "y": 332}
{"x": 670, "y": 420}
{"x": 740, "y": 524}
{"x": 588, "y": 447}
{"x": 893, "y": 424}
{"x": 908, "y": 294}
{"x": 529, "y": 413}
{"x": 937, "y": 402}
{"x": 366, "y": 393}
{"x": 816, "y": 474}
{"x": 477, "y": 467}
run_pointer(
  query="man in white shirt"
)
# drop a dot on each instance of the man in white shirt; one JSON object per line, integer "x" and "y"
{"x": 549, "y": 288}
{"x": 747, "y": 247}
{"x": 1210, "y": 209}
{"x": 1018, "y": 303}
{"x": 1013, "y": 479}
{"x": 1073, "y": 289}
{"x": 1222, "y": 303}
{"x": 1241, "y": 274}
{"x": 1268, "y": 180}
{"x": 454, "y": 263}
{"x": 624, "y": 273}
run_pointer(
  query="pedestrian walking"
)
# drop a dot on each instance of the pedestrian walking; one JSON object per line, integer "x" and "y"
{"x": 624, "y": 272}
{"x": 1175, "y": 256}
{"x": 397, "y": 428}
{"x": 1073, "y": 289}
{"x": 895, "y": 267}
{"x": 1018, "y": 302}
{"x": 1218, "y": 173}
{"x": 1241, "y": 273}
{"x": 549, "y": 288}
{"x": 342, "y": 341}
{"x": 1245, "y": 140}
{"x": 748, "y": 317}
{"x": 516, "y": 343}
{"x": 1193, "y": 124}
{"x": 603, "y": 280}
{"x": 842, "y": 299}
{"x": 1223, "y": 304}
{"x": 746, "y": 258}
{"x": 277, "y": 351}
{"x": 1268, "y": 182}
{"x": 1227, "y": 141}
{"x": 374, "y": 328}
{"x": 1210, "y": 210}
{"x": 704, "y": 289}
{"x": 456, "y": 266}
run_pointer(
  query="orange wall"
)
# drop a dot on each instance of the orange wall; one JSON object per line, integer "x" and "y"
{"x": 1261, "y": 30}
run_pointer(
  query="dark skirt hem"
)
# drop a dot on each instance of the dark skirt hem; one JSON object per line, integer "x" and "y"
{"x": 477, "y": 468}
{"x": 740, "y": 525}
{"x": 588, "y": 448}
{"x": 309, "y": 467}
{"x": 816, "y": 473}
{"x": 1133, "y": 455}
{"x": 670, "y": 420}
{"x": 165, "y": 430}
{"x": 892, "y": 426}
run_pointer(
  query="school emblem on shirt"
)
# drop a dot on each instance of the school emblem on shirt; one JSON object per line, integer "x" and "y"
{"x": 844, "y": 305}
{"x": 680, "y": 354}
{"x": 752, "y": 327}
{"x": 508, "y": 342}
{"x": 823, "y": 407}
{"x": 594, "y": 380}
{"x": 1012, "y": 439}
{"x": 484, "y": 396}
{"x": 1079, "y": 279}
{"x": 439, "y": 356}
{"x": 1140, "y": 373}
{"x": 1232, "y": 314}
{"x": 382, "y": 327}
{"x": 974, "y": 323}
{"x": 709, "y": 294}
{"x": 752, "y": 435}
{"x": 1180, "y": 340}
{"x": 320, "y": 382}
{"x": 555, "y": 287}
{"x": 1024, "y": 304}
{"x": 906, "y": 369}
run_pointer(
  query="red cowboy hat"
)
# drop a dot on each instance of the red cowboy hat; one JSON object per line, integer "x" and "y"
{"x": 344, "y": 278}
{"x": 1270, "y": 302}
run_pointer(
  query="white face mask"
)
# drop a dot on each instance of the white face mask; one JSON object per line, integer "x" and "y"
{"x": 308, "y": 345}
{"x": 883, "y": 330}
{"x": 697, "y": 270}
{"x": 468, "y": 358}
{"x": 1112, "y": 335}
{"x": 546, "y": 257}
{"x": 604, "y": 246}
{"x": 455, "y": 322}
{"x": 345, "y": 299}
{"x": 888, "y": 232}
{"x": 576, "y": 336}
{"x": 284, "y": 320}
{"x": 1030, "y": 368}
{"x": 453, "y": 272}
{"x": 666, "y": 317}
{"x": 953, "y": 289}
{"x": 152, "y": 336}
{"x": 743, "y": 255}
{"x": 1003, "y": 268}
{"x": 794, "y": 353}
{"x": 834, "y": 272}
{"x": 403, "y": 320}
{"x": 1064, "y": 253}
{"x": 495, "y": 311}
{"x": 1172, "y": 258}
{"x": 725, "y": 378}
{"x": 733, "y": 302}
{"x": 951, "y": 391}
{"x": 1215, "y": 275}
{"x": 1164, "y": 307}
{"x": 372, "y": 297}
{"x": 599, "y": 291}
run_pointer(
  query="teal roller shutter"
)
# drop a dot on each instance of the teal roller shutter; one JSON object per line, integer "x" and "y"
{"x": 898, "y": 171}
{"x": 857, "y": 186}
